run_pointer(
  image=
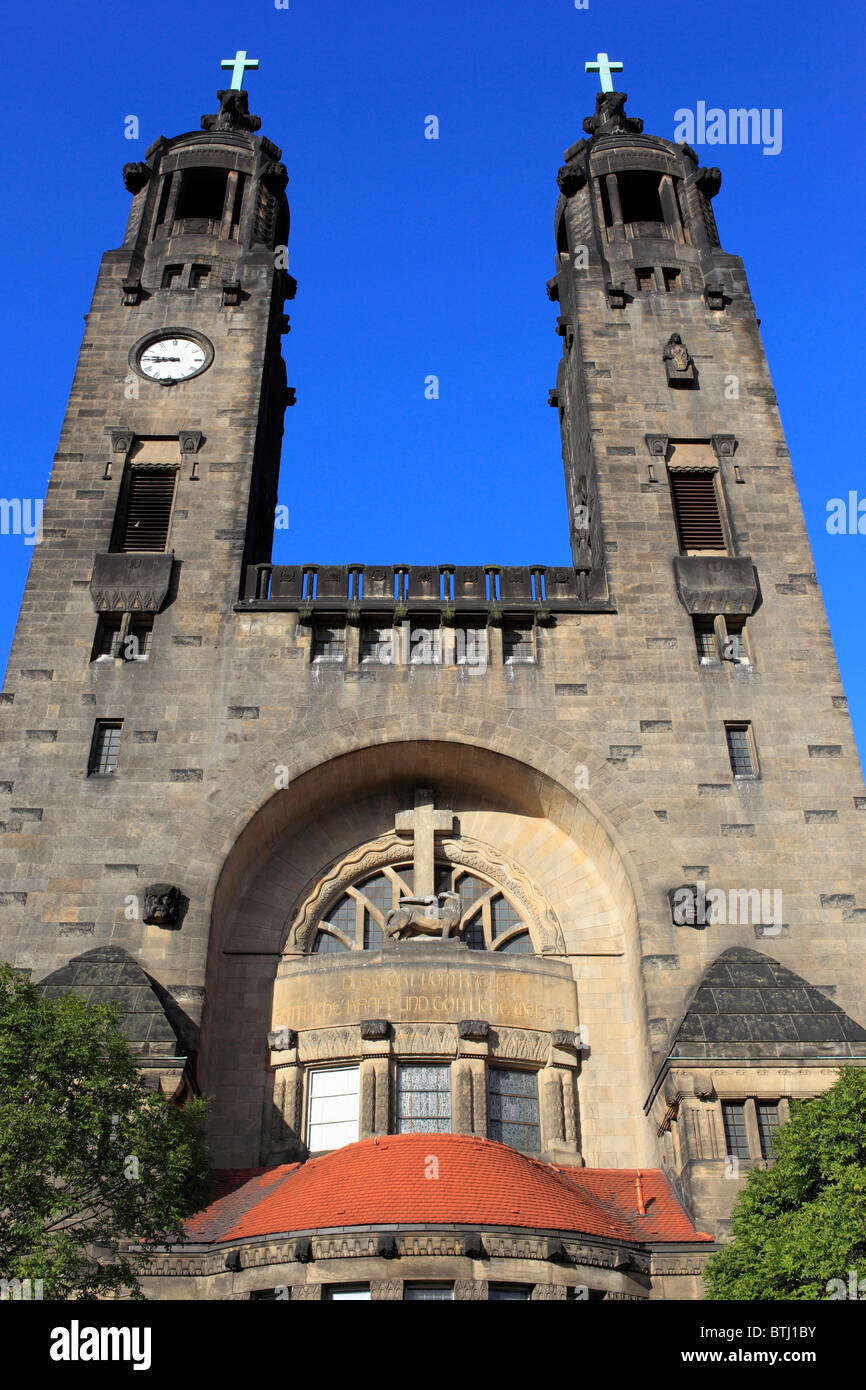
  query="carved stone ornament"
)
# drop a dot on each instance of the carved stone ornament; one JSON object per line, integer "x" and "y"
{"x": 274, "y": 177}
{"x": 234, "y": 113}
{"x": 677, "y": 360}
{"x": 473, "y": 1029}
{"x": 373, "y": 1029}
{"x": 571, "y": 179}
{"x": 135, "y": 176}
{"x": 190, "y": 441}
{"x": 131, "y": 583}
{"x": 121, "y": 440}
{"x": 436, "y": 915}
{"x": 282, "y": 1039}
{"x": 657, "y": 445}
{"x": 709, "y": 181}
{"x": 616, "y": 296}
{"x": 610, "y": 117}
{"x": 715, "y": 296}
{"x": 162, "y": 903}
{"x": 323, "y": 893}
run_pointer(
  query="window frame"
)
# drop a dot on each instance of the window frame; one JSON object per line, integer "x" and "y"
{"x": 100, "y": 727}
{"x": 417, "y": 1063}
{"x": 494, "y": 1068}
{"x": 310, "y": 1074}
{"x": 740, "y": 726}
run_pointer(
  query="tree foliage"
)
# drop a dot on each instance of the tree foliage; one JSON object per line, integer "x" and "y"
{"x": 88, "y": 1157}
{"x": 801, "y": 1224}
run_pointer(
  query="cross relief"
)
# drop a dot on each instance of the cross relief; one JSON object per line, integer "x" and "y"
{"x": 426, "y": 912}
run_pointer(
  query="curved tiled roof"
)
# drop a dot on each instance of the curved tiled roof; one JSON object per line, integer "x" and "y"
{"x": 392, "y": 1181}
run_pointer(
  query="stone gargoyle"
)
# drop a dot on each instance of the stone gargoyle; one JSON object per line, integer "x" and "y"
{"x": 436, "y": 915}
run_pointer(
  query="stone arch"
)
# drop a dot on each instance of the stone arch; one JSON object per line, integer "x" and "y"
{"x": 554, "y": 834}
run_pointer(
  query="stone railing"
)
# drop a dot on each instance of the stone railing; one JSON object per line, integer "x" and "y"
{"x": 391, "y": 588}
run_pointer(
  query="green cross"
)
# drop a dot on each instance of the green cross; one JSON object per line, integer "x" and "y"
{"x": 604, "y": 67}
{"x": 238, "y": 64}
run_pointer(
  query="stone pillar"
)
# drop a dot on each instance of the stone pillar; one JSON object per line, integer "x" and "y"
{"x": 671, "y": 212}
{"x": 462, "y": 1087}
{"x": 375, "y": 1077}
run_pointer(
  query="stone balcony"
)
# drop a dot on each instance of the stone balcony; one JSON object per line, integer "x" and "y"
{"x": 531, "y": 591}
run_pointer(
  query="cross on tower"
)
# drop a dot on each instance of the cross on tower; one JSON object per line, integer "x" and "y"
{"x": 238, "y": 64}
{"x": 604, "y": 67}
{"x": 425, "y": 823}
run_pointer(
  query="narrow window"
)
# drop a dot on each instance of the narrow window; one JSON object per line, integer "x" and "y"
{"x": 646, "y": 278}
{"x": 107, "y": 640}
{"x": 377, "y": 646}
{"x": 428, "y": 1291}
{"x": 103, "y": 749}
{"x": 562, "y": 237}
{"x": 198, "y": 277}
{"x": 734, "y": 1120}
{"x": 768, "y": 1124}
{"x": 423, "y": 1099}
{"x": 202, "y": 195}
{"x": 470, "y": 646}
{"x": 735, "y": 645}
{"x": 171, "y": 276}
{"x": 705, "y": 640}
{"x": 513, "y": 1098}
{"x": 333, "y": 1108}
{"x": 425, "y": 648}
{"x": 339, "y": 1293}
{"x": 517, "y": 644}
{"x": 696, "y": 507}
{"x": 136, "y": 643}
{"x": 512, "y": 1291}
{"x": 329, "y": 642}
{"x": 147, "y": 510}
{"x": 741, "y": 750}
{"x": 671, "y": 279}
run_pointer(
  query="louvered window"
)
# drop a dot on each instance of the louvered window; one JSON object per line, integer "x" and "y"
{"x": 148, "y": 509}
{"x": 696, "y": 505}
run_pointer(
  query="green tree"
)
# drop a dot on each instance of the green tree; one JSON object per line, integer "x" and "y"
{"x": 88, "y": 1157}
{"x": 802, "y": 1223}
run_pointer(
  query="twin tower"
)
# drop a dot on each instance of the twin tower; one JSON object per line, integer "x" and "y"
{"x": 221, "y": 777}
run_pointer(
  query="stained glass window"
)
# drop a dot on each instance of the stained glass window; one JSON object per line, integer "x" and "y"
{"x": 514, "y": 1108}
{"x": 423, "y": 1099}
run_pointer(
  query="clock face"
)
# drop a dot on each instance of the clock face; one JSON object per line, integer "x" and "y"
{"x": 173, "y": 358}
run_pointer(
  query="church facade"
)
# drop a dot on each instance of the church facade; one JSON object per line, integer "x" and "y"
{"x": 500, "y": 910}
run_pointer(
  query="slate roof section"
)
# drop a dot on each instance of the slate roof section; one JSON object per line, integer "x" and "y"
{"x": 386, "y": 1183}
{"x": 749, "y": 1007}
{"x": 108, "y": 975}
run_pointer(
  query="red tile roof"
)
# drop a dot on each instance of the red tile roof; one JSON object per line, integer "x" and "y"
{"x": 393, "y": 1181}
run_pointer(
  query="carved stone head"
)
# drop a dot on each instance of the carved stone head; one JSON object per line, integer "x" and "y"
{"x": 162, "y": 905}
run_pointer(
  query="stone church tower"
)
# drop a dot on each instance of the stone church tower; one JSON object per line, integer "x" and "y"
{"x": 501, "y": 911}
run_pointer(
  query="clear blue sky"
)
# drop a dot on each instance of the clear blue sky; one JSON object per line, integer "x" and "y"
{"x": 417, "y": 256}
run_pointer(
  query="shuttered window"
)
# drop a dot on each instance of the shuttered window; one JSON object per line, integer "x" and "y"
{"x": 696, "y": 505}
{"x": 148, "y": 509}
